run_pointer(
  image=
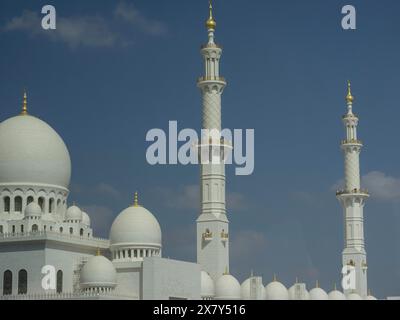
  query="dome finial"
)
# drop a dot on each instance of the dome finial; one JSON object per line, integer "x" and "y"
{"x": 25, "y": 104}
{"x": 275, "y": 278}
{"x": 211, "y": 23}
{"x": 226, "y": 271}
{"x": 136, "y": 200}
{"x": 98, "y": 253}
{"x": 317, "y": 284}
{"x": 349, "y": 97}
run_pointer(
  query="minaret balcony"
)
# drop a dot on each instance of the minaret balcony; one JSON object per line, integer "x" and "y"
{"x": 224, "y": 236}
{"x": 211, "y": 45}
{"x": 354, "y": 192}
{"x": 352, "y": 142}
{"x": 212, "y": 79}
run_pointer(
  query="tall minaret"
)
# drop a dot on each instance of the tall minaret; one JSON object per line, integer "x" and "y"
{"x": 353, "y": 199}
{"x": 212, "y": 224}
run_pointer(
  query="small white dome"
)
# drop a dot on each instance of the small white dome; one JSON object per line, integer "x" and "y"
{"x": 318, "y": 294}
{"x": 32, "y": 153}
{"x": 98, "y": 272}
{"x": 245, "y": 290}
{"x": 227, "y": 288}
{"x": 276, "y": 291}
{"x": 135, "y": 226}
{"x": 353, "y": 296}
{"x": 293, "y": 293}
{"x": 33, "y": 210}
{"x": 207, "y": 285}
{"x": 85, "y": 219}
{"x": 336, "y": 295}
{"x": 73, "y": 213}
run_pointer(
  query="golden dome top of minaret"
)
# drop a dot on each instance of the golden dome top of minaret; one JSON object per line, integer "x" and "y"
{"x": 349, "y": 97}
{"x": 211, "y": 24}
{"x": 24, "y": 110}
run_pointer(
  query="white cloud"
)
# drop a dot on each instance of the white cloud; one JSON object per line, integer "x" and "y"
{"x": 89, "y": 30}
{"x": 102, "y": 190}
{"x": 188, "y": 198}
{"x": 380, "y": 185}
{"x": 127, "y": 12}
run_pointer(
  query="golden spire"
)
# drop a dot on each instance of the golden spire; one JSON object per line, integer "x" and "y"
{"x": 349, "y": 97}
{"x": 98, "y": 252}
{"x": 211, "y": 24}
{"x": 25, "y": 105}
{"x": 136, "y": 200}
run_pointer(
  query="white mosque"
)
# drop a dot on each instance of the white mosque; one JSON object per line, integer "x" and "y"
{"x": 38, "y": 229}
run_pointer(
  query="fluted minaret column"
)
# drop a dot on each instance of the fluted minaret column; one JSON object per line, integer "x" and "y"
{"x": 212, "y": 223}
{"x": 353, "y": 199}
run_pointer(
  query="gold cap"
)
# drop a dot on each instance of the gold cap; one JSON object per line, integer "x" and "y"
{"x": 349, "y": 97}
{"x": 25, "y": 104}
{"x": 98, "y": 252}
{"x": 211, "y": 24}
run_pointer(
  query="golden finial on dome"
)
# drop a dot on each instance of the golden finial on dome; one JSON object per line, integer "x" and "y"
{"x": 211, "y": 23}
{"x": 98, "y": 252}
{"x": 25, "y": 104}
{"x": 349, "y": 97}
{"x": 136, "y": 200}
{"x": 226, "y": 271}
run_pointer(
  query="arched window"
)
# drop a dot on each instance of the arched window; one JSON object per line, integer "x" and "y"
{"x": 18, "y": 204}
{"x": 61, "y": 230}
{"x": 51, "y": 205}
{"x": 71, "y": 230}
{"x": 51, "y": 228}
{"x": 41, "y": 203}
{"x": 35, "y": 228}
{"x": 22, "y": 228}
{"x": 6, "y": 201}
{"x": 22, "y": 282}
{"x": 58, "y": 205}
{"x": 59, "y": 281}
{"x": 81, "y": 232}
{"x": 1, "y": 229}
{"x": 29, "y": 200}
{"x": 7, "y": 282}
{"x": 13, "y": 229}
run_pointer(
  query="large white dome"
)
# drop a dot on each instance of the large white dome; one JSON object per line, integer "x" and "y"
{"x": 135, "y": 226}
{"x": 98, "y": 272}
{"x": 227, "y": 288}
{"x": 32, "y": 153}
{"x": 276, "y": 291}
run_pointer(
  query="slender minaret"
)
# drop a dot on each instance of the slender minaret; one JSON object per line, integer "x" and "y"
{"x": 212, "y": 224}
{"x": 353, "y": 199}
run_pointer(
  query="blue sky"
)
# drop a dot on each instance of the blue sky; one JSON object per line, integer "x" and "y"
{"x": 115, "y": 69}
